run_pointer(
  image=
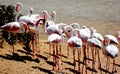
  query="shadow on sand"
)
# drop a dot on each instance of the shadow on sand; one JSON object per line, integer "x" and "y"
{"x": 42, "y": 69}
{"x": 17, "y": 57}
{"x": 72, "y": 70}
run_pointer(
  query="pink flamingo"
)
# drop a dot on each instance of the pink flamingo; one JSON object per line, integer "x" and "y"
{"x": 16, "y": 27}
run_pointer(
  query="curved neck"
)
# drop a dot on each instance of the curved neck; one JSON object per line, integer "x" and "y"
{"x": 47, "y": 15}
{"x": 16, "y": 17}
{"x": 59, "y": 29}
{"x": 92, "y": 32}
{"x": 19, "y": 7}
{"x": 31, "y": 11}
{"x": 53, "y": 15}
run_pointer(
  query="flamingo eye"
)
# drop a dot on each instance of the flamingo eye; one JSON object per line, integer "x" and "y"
{"x": 69, "y": 30}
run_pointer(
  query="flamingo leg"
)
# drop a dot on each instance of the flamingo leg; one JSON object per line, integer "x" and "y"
{"x": 60, "y": 55}
{"x": 79, "y": 53}
{"x": 74, "y": 57}
{"x": 53, "y": 56}
{"x": 13, "y": 43}
{"x": 84, "y": 59}
{"x": 84, "y": 51}
{"x": 99, "y": 62}
{"x": 49, "y": 49}
{"x": 93, "y": 64}
{"x": 57, "y": 57}
{"x": 114, "y": 67}
{"x": 67, "y": 50}
{"x": 88, "y": 51}
{"x": 38, "y": 43}
{"x": 107, "y": 64}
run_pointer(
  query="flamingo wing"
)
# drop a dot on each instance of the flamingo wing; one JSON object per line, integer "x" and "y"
{"x": 112, "y": 50}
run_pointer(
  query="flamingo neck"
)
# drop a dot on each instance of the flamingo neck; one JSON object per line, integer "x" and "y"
{"x": 60, "y": 32}
{"x": 19, "y": 7}
{"x": 16, "y": 17}
{"x": 53, "y": 15}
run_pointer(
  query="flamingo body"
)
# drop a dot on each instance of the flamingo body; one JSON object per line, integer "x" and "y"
{"x": 75, "y": 42}
{"x": 112, "y": 51}
{"x": 54, "y": 38}
{"x": 27, "y": 20}
{"x": 112, "y": 39}
{"x": 98, "y": 36}
{"x": 15, "y": 27}
{"x": 95, "y": 42}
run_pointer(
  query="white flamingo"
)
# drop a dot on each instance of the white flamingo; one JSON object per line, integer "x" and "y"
{"x": 74, "y": 43}
{"x": 112, "y": 39}
{"x": 110, "y": 51}
{"x": 96, "y": 40}
{"x": 54, "y": 40}
{"x": 95, "y": 43}
{"x": 27, "y": 19}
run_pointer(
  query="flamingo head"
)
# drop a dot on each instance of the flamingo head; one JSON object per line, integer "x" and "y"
{"x": 53, "y": 15}
{"x": 68, "y": 30}
{"x": 105, "y": 41}
{"x": 31, "y": 10}
{"x": 75, "y": 25}
{"x": 19, "y": 7}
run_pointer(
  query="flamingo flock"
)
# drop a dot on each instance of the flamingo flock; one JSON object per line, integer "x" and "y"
{"x": 79, "y": 38}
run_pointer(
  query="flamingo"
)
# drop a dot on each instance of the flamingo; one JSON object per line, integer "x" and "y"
{"x": 33, "y": 20}
{"x": 35, "y": 38}
{"x": 48, "y": 21}
{"x": 27, "y": 19}
{"x": 54, "y": 40}
{"x": 84, "y": 33}
{"x": 16, "y": 27}
{"x": 50, "y": 26}
{"x": 74, "y": 43}
{"x": 95, "y": 34}
{"x": 98, "y": 41}
{"x": 95, "y": 43}
{"x": 111, "y": 51}
{"x": 113, "y": 39}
